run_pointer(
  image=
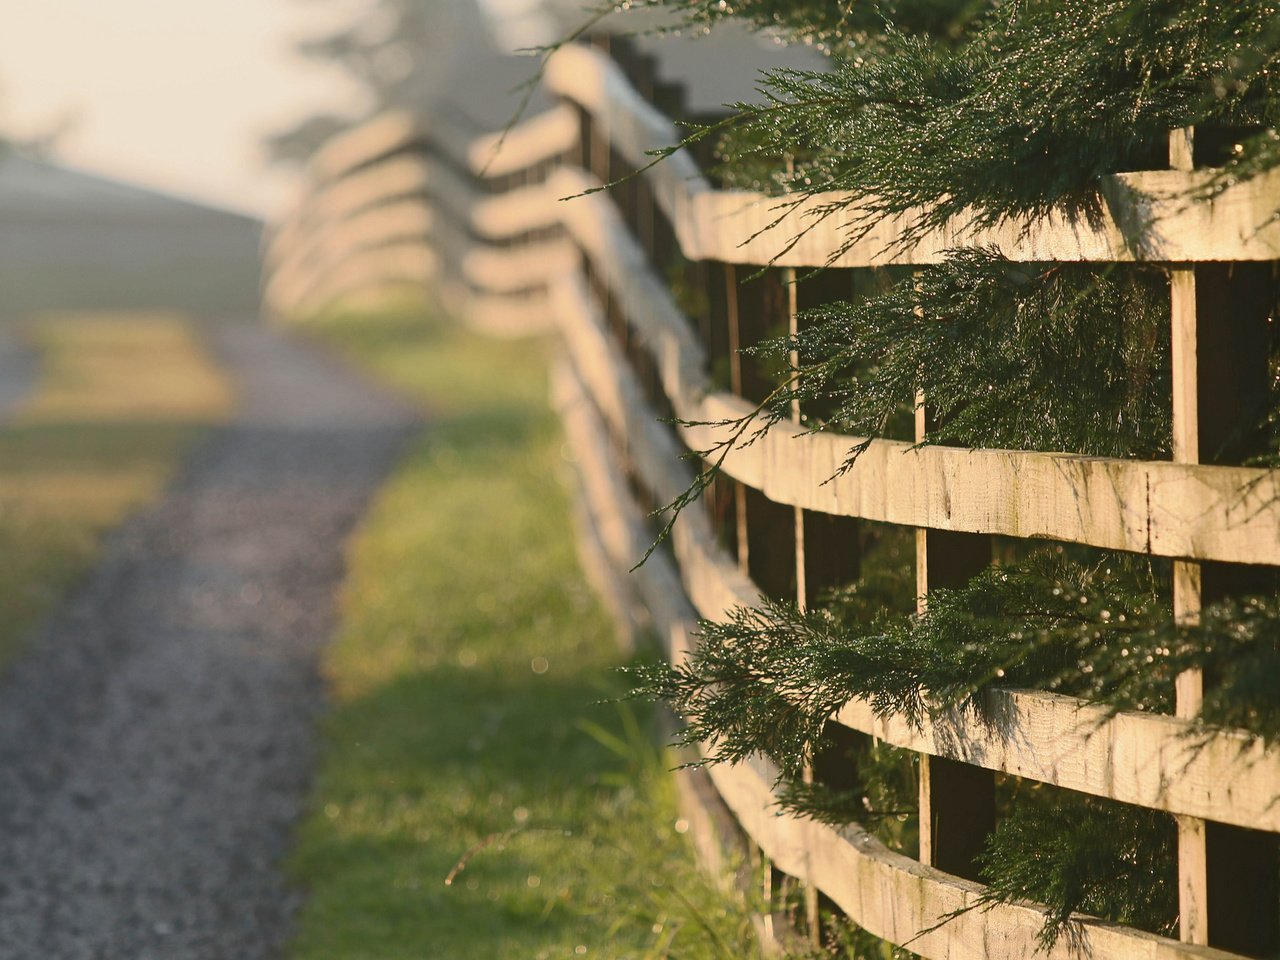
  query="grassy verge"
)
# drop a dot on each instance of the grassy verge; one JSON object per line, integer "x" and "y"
{"x": 119, "y": 400}
{"x": 467, "y": 724}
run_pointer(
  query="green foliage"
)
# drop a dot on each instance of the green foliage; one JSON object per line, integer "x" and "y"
{"x": 1060, "y": 357}
{"x": 768, "y": 678}
{"x": 1079, "y": 854}
{"x": 1043, "y": 99}
{"x": 1067, "y": 851}
{"x": 884, "y": 801}
{"x": 1019, "y": 111}
{"x": 1057, "y": 357}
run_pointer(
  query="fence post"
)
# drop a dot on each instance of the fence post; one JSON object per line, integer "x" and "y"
{"x": 1227, "y": 876}
{"x": 957, "y": 801}
{"x": 1193, "y": 917}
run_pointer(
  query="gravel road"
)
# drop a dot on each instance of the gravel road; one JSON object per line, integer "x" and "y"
{"x": 157, "y": 742}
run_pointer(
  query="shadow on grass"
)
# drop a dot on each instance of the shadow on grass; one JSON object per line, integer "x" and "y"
{"x": 468, "y": 676}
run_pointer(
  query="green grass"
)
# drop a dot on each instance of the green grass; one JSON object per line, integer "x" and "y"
{"x": 120, "y": 398}
{"x": 467, "y": 678}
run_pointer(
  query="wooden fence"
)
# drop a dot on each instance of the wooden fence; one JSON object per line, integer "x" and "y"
{"x": 619, "y": 273}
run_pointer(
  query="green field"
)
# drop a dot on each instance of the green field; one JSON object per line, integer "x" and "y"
{"x": 467, "y": 734}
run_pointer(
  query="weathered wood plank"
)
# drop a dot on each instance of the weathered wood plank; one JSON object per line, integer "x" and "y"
{"x": 535, "y": 140}
{"x": 384, "y": 134}
{"x": 895, "y": 898}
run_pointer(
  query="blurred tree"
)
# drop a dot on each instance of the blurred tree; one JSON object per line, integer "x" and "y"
{"x": 400, "y": 53}
{"x": 294, "y": 145}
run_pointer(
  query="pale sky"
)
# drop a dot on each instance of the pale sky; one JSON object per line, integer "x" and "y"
{"x": 174, "y": 94}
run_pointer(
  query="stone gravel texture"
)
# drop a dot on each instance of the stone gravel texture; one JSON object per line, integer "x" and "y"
{"x": 156, "y": 744}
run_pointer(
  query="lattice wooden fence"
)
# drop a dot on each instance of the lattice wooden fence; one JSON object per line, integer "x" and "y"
{"x": 396, "y": 202}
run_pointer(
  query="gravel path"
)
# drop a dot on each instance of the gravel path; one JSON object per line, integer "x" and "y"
{"x": 156, "y": 744}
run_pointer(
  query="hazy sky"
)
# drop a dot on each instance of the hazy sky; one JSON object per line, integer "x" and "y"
{"x": 171, "y": 93}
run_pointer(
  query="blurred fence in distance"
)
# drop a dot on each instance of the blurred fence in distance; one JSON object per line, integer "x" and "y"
{"x": 643, "y": 282}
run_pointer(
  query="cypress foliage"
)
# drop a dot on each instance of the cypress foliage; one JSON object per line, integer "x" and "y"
{"x": 950, "y": 111}
{"x": 1080, "y": 854}
{"x": 768, "y": 679}
{"x": 971, "y": 334}
{"x": 1043, "y": 98}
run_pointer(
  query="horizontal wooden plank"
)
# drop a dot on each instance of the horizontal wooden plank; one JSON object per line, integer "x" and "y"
{"x": 500, "y": 316}
{"x": 406, "y": 262}
{"x": 516, "y": 212}
{"x": 1153, "y": 761}
{"x": 1160, "y": 508}
{"x": 591, "y": 80}
{"x": 410, "y": 259}
{"x": 377, "y": 137}
{"x": 534, "y": 140}
{"x": 408, "y": 219}
{"x": 895, "y": 898}
{"x": 1146, "y": 216}
{"x": 518, "y": 267}
{"x": 332, "y": 202}
{"x": 620, "y": 525}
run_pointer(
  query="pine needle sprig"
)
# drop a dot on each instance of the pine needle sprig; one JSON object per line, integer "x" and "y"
{"x": 884, "y": 800}
{"x": 746, "y": 691}
{"x": 1078, "y": 854}
{"x": 769, "y": 678}
{"x": 1061, "y": 358}
{"x": 1042, "y": 100}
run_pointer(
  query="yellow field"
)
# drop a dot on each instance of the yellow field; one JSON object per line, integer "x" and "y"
{"x": 120, "y": 398}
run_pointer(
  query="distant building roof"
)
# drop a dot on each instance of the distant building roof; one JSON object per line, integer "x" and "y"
{"x": 33, "y": 189}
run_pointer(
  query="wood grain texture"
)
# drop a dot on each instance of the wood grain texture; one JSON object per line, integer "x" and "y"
{"x": 895, "y": 898}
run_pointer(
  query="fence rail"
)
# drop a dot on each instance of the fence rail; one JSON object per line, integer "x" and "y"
{"x": 480, "y": 219}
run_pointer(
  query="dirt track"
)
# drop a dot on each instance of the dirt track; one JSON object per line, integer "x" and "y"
{"x": 158, "y": 740}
